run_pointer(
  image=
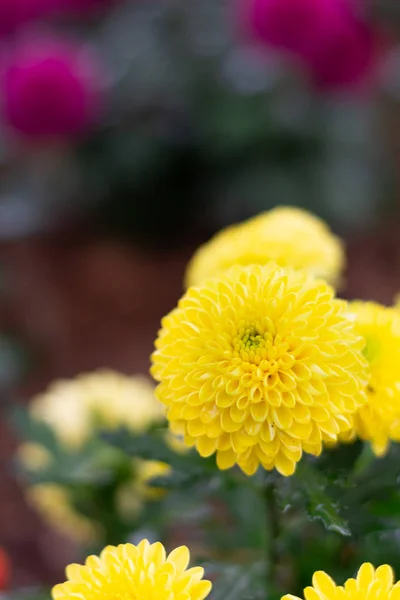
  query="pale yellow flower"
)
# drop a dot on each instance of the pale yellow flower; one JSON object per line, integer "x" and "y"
{"x": 289, "y": 236}
{"x": 119, "y": 400}
{"x": 64, "y": 409}
{"x": 33, "y": 457}
{"x": 371, "y": 583}
{"x": 75, "y": 408}
{"x": 127, "y": 571}
{"x": 53, "y": 503}
{"x": 378, "y": 421}
{"x": 259, "y": 365}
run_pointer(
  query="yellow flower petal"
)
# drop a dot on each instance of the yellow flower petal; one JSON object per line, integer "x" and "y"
{"x": 311, "y": 594}
{"x": 324, "y": 584}
{"x": 365, "y": 575}
{"x": 385, "y": 575}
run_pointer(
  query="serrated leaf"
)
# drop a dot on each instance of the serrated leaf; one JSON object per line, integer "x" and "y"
{"x": 320, "y": 506}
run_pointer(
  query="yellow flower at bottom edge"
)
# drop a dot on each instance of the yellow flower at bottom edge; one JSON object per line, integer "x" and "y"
{"x": 127, "y": 571}
{"x": 287, "y": 235}
{"x": 370, "y": 583}
{"x": 378, "y": 421}
{"x": 259, "y": 365}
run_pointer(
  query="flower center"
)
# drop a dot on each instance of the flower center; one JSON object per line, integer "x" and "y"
{"x": 255, "y": 343}
{"x": 251, "y": 339}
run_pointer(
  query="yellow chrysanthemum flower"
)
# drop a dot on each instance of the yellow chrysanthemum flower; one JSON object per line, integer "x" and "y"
{"x": 33, "y": 456}
{"x": 289, "y": 236}
{"x": 371, "y": 583}
{"x": 142, "y": 571}
{"x": 378, "y": 421}
{"x": 74, "y": 408}
{"x": 259, "y": 365}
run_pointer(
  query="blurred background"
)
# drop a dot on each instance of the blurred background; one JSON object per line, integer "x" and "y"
{"x": 131, "y": 131}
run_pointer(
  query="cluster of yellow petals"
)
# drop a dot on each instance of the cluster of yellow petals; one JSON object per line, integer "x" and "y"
{"x": 378, "y": 421}
{"x": 370, "y": 584}
{"x": 74, "y": 408}
{"x": 259, "y": 365}
{"x": 286, "y": 235}
{"x": 130, "y": 572}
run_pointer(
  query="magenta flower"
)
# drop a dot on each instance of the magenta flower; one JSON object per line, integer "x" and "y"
{"x": 346, "y": 54}
{"x": 85, "y": 6}
{"x": 51, "y": 88}
{"x": 15, "y": 13}
{"x": 288, "y": 24}
{"x": 325, "y": 35}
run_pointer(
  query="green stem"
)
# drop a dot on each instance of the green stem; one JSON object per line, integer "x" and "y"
{"x": 273, "y": 531}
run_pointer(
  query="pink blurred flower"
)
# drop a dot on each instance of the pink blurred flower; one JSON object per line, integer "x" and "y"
{"x": 51, "y": 88}
{"x": 346, "y": 55}
{"x": 15, "y": 13}
{"x": 85, "y": 6}
{"x": 288, "y": 24}
{"x": 337, "y": 46}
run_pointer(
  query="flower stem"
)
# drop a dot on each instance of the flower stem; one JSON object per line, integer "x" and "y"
{"x": 272, "y": 535}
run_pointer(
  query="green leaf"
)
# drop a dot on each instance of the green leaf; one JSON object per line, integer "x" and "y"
{"x": 151, "y": 446}
{"x": 320, "y": 506}
{"x": 154, "y": 446}
{"x": 237, "y": 582}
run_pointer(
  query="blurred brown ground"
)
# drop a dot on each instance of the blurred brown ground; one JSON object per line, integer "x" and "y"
{"x": 81, "y": 304}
